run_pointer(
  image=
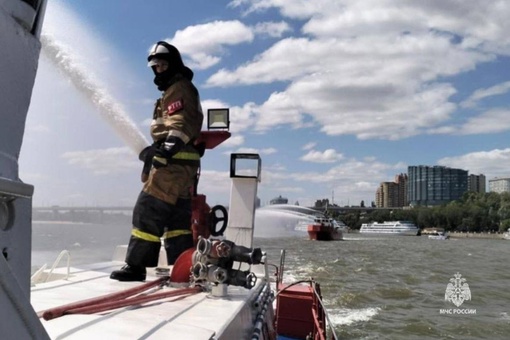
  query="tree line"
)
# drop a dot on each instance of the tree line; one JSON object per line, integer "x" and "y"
{"x": 474, "y": 212}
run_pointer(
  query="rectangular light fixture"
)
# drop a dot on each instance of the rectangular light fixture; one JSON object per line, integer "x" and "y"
{"x": 218, "y": 119}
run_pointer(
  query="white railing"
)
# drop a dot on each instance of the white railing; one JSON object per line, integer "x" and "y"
{"x": 37, "y": 277}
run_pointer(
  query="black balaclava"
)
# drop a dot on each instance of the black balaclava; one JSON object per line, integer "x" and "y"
{"x": 175, "y": 65}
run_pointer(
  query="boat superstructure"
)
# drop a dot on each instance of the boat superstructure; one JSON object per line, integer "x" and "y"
{"x": 20, "y": 27}
{"x": 338, "y": 225}
{"x": 440, "y": 236}
{"x": 436, "y": 233}
{"x": 390, "y": 228}
{"x": 324, "y": 229}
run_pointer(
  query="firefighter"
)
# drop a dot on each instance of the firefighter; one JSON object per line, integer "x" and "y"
{"x": 163, "y": 208}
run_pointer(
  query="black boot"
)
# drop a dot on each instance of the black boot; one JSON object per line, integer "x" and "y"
{"x": 129, "y": 273}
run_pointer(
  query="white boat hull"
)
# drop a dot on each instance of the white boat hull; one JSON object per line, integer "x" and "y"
{"x": 390, "y": 228}
{"x": 439, "y": 237}
{"x": 391, "y": 232}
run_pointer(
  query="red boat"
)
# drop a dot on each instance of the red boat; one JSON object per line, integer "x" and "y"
{"x": 323, "y": 229}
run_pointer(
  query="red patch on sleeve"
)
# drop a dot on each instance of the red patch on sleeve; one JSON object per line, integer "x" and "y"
{"x": 174, "y": 106}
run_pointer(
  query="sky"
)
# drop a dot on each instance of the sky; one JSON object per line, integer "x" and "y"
{"x": 336, "y": 96}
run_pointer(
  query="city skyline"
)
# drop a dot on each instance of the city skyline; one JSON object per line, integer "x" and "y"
{"x": 285, "y": 200}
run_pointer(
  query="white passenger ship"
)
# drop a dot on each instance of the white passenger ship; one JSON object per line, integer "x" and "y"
{"x": 390, "y": 227}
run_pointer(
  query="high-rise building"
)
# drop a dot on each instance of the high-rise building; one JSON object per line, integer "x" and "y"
{"x": 385, "y": 196}
{"x": 476, "y": 183}
{"x": 499, "y": 185}
{"x": 401, "y": 180}
{"x": 435, "y": 185}
{"x": 392, "y": 194}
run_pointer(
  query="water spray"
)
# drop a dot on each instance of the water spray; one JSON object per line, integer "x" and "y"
{"x": 108, "y": 108}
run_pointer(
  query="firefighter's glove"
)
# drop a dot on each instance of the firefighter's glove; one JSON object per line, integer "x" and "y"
{"x": 146, "y": 157}
{"x": 147, "y": 152}
{"x": 166, "y": 151}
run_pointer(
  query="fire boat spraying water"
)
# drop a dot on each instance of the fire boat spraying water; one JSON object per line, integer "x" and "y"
{"x": 324, "y": 229}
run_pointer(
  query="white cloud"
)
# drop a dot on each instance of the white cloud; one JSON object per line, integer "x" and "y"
{"x": 213, "y": 104}
{"x": 293, "y": 8}
{"x": 272, "y": 29}
{"x": 376, "y": 87}
{"x": 242, "y": 118}
{"x": 204, "y": 44}
{"x": 266, "y": 151}
{"x": 468, "y": 19}
{"x": 103, "y": 162}
{"x": 214, "y": 183}
{"x": 309, "y": 146}
{"x": 374, "y": 69}
{"x": 274, "y": 64}
{"x": 327, "y": 156}
{"x": 492, "y": 163}
{"x": 484, "y": 93}
{"x": 489, "y": 122}
{"x": 492, "y": 121}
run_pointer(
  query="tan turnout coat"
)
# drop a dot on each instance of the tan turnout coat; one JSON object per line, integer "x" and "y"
{"x": 178, "y": 112}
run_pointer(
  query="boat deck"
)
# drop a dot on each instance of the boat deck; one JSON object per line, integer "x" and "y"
{"x": 198, "y": 316}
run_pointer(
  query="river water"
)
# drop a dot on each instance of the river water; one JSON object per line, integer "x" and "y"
{"x": 390, "y": 287}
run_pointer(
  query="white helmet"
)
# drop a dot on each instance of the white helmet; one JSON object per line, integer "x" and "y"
{"x": 163, "y": 50}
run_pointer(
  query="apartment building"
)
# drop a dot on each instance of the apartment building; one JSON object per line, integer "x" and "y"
{"x": 499, "y": 185}
{"x": 435, "y": 185}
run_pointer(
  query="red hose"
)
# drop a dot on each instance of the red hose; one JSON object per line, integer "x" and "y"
{"x": 59, "y": 311}
{"x": 137, "y": 300}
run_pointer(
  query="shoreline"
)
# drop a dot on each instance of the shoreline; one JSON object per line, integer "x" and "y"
{"x": 492, "y": 236}
{"x": 457, "y": 234}
{"x": 59, "y": 222}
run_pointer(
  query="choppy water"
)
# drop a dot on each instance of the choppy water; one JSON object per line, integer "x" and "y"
{"x": 374, "y": 287}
